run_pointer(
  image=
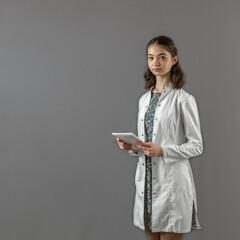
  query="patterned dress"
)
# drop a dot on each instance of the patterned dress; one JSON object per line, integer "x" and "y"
{"x": 149, "y": 120}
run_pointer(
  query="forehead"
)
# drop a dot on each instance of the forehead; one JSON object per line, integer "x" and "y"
{"x": 157, "y": 50}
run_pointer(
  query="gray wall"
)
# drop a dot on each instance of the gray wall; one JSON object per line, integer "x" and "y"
{"x": 71, "y": 73}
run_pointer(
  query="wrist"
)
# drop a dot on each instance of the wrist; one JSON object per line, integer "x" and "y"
{"x": 160, "y": 151}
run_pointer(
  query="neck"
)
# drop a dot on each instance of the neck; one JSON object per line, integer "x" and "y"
{"x": 160, "y": 86}
{"x": 162, "y": 81}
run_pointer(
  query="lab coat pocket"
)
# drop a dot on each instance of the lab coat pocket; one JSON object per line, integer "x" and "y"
{"x": 140, "y": 188}
{"x": 139, "y": 179}
{"x": 184, "y": 178}
{"x": 181, "y": 207}
{"x": 137, "y": 173}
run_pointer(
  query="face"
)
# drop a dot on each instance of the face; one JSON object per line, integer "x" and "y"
{"x": 160, "y": 60}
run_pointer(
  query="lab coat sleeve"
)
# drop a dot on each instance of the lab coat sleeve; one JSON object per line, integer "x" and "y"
{"x": 130, "y": 152}
{"x": 193, "y": 145}
{"x": 133, "y": 154}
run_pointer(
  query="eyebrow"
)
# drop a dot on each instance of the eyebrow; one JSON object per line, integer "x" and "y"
{"x": 158, "y": 54}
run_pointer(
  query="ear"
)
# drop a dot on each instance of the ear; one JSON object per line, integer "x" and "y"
{"x": 175, "y": 60}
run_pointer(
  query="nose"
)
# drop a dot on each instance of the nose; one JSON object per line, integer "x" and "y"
{"x": 156, "y": 62}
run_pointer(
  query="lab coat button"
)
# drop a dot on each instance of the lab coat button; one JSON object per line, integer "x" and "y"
{"x": 143, "y": 164}
{"x": 155, "y": 118}
{"x": 154, "y": 133}
{"x": 154, "y": 163}
{"x": 154, "y": 178}
{"x": 159, "y": 105}
{"x": 142, "y": 119}
{"x": 142, "y": 134}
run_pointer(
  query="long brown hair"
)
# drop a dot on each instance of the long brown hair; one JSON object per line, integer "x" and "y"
{"x": 177, "y": 74}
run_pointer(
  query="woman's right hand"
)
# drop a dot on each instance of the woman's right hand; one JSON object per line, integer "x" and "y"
{"x": 123, "y": 145}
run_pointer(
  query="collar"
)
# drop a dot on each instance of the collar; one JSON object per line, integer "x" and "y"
{"x": 148, "y": 94}
{"x": 166, "y": 89}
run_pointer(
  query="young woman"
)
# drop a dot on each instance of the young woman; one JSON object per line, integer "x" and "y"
{"x": 169, "y": 127}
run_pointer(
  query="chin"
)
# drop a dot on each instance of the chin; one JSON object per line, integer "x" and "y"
{"x": 158, "y": 74}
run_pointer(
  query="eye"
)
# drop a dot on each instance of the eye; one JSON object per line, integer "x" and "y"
{"x": 149, "y": 57}
{"x": 163, "y": 57}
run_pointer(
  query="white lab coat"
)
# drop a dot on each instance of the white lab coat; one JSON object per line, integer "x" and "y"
{"x": 177, "y": 130}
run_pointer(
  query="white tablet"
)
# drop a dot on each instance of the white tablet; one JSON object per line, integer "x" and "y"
{"x": 128, "y": 138}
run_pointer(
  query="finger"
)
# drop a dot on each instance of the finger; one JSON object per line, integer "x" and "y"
{"x": 140, "y": 144}
{"x": 120, "y": 140}
{"x": 146, "y": 144}
{"x": 144, "y": 147}
{"x": 146, "y": 153}
{"x": 126, "y": 145}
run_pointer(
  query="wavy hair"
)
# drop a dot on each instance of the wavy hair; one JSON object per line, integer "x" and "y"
{"x": 177, "y": 74}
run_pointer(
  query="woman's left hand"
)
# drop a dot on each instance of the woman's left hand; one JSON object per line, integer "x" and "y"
{"x": 149, "y": 148}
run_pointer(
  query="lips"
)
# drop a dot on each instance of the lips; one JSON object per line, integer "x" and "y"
{"x": 156, "y": 69}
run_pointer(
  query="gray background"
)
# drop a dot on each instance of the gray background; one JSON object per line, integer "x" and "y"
{"x": 71, "y": 73}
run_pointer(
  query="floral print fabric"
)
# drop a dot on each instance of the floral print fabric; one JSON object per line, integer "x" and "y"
{"x": 194, "y": 224}
{"x": 149, "y": 120}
